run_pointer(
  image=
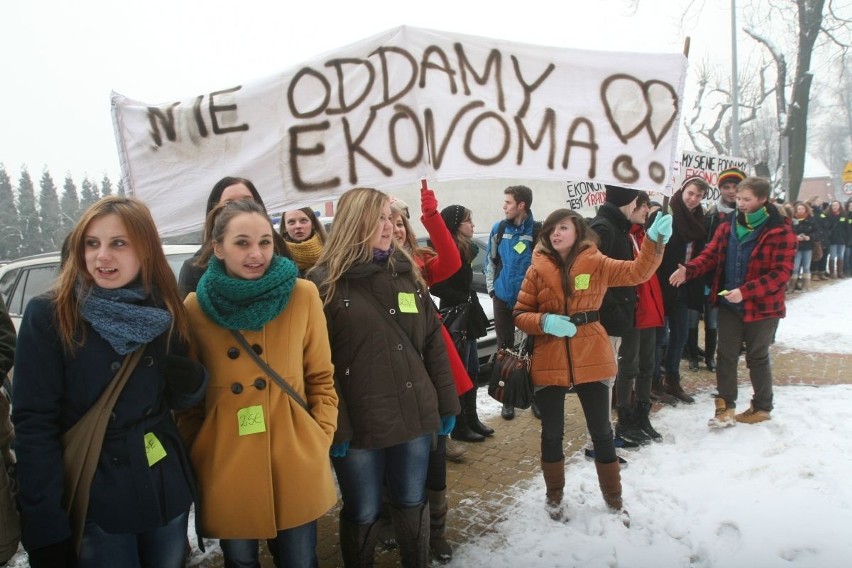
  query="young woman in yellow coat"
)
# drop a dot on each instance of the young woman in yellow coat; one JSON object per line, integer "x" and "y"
{"x": 261, "y": 458}
{"x": 558, "y": 306}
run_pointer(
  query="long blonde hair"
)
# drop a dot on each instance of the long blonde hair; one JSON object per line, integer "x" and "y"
{"x": 358, "y": 211}
{"x": 154, "y": 272}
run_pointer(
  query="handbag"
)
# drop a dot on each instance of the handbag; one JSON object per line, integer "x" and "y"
{"x": 81, "y": 447}
{"x": 269, "y": 371}
{"x": 818, "y": 252}
{"x": 510, "y": 381}
{"x": 455, "y": 319}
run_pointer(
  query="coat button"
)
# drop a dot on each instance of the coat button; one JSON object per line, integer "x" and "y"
{"x": 233, "y": 353}
{"x": 148, "y": 361}
{"x": 236, "y": 388}
{"x": 259, "y": 384}
{"x": 114, "y": 366}
{"x": 113, "y": 417}
{"x": 115, "y": 462}
{"x": 257, "y": 348}
{"x": 408, "y": 385}
{"x": 148, "y": 410}
{"x": 399, "y": 347}
{"x": 392, "y": 311}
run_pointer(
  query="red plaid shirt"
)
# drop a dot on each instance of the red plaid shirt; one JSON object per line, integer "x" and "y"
{"x": 769, "y": 267}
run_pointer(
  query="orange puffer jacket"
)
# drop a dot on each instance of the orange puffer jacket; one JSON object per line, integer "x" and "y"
{"x": 588, "y": 356}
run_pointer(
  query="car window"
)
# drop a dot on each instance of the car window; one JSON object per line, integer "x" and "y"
{"x": 34, "y": 281}
{"x": 6, "y": 284}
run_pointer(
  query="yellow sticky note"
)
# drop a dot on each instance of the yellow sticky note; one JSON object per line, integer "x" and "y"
{"x": 407, "y": 303}
{"x": 250, "y": 420}
{"x": 154, "y": 450}
{"x": 520, "y": 247}
{"x": 581, "y": 281}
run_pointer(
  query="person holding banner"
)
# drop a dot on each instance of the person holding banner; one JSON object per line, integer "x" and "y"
{"x": 392, "y": 373}
{"x": 115, "y": 307}
{"x": 226, "y": 190}
{"x": 752, "y": 259}
{"x": 688, "y": 238}
{"x": 558, "y": 305}
{"x": 304, "y": 235}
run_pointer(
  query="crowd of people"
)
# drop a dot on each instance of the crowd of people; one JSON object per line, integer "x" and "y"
{"x": 279, "y": 361}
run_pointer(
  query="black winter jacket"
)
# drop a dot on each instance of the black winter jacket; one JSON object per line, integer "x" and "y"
{"x": 618, "y": 310}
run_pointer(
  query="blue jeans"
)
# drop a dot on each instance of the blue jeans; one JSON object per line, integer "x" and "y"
{"x": 678, "y": 334}
{"x": 362, "y": 472}
{"x": 803, "y": 259}
{"x": 295, "y": 547}
{"x": 836, "y": 253}
{"x": 163, "y": 547}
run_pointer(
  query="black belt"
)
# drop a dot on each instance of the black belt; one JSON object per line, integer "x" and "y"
{"x": 581, "y": 318}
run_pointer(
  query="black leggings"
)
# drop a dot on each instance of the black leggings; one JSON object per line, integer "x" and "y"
{"x": 595, "y": 400}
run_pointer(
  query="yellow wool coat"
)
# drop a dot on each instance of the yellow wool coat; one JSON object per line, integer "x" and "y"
{"x": 252, "y": 486}
{"x": 588, "y": 356}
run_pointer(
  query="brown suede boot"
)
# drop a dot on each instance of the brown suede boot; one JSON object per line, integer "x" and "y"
{"x": 609, "y": 478}
{"x": 554, "y": 481}
{"x": 806, "y": 282}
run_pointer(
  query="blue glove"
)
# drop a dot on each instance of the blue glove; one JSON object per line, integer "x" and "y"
{"x": 662, "y": 225}
{"x": 447, "y": 424}
{"x": 558, "y": 325}
{"x": 340, "y": 450}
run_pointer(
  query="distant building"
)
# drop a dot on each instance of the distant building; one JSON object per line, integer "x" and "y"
{"x": 817, "y": 180}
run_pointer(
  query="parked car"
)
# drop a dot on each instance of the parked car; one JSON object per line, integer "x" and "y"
{"x": 486, "y": 346}
{"x": 23, "y": 279}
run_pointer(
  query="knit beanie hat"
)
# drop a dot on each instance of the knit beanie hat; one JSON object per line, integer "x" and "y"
{"x": 735, "y": 175}
{"x": 620, "y": 196}
{"x": 453, "y": 216}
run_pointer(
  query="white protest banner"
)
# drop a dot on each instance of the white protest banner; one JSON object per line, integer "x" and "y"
{"x": 707, "y": 167}
{"x": 405, "y": 104}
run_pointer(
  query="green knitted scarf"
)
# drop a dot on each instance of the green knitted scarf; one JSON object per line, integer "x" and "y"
{"x": 234, "y": 303}
{"x": 748, "y": 222}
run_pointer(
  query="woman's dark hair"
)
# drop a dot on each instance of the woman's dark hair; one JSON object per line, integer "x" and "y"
{"x": 226, "y": 182}
{"x": 213, "y": 202}
{"x": 586, "y": 237}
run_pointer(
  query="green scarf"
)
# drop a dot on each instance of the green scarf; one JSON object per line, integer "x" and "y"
{"x": 748, "y": 222}
{"x": 234, "y": 303}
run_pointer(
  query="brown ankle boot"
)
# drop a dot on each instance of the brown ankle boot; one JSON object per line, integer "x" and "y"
{"x": 554, "y": 481}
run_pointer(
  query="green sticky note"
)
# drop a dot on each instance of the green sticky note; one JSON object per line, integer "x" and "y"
{"x": 520, "y": 247}
{"x": 581, "y": 281}
{"x": 154, "y": 450}
{"x": 250, "y": 420}
{"x": 407, "y": 303}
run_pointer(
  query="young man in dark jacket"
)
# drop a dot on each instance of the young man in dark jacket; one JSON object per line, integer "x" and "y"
{"x": 752, "y": 256}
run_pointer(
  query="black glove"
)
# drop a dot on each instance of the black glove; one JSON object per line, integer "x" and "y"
{"x": 57, "y": 555}
{"x": 183, "y": 375}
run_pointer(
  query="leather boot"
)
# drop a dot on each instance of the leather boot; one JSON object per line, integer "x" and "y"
{"x": 710, "y": 338}
{"x": 627, "y": 428}
{"x": 692, "y": 348}
{"x": 412, "y": 534}
{"x": 357, "y": 544}
{"x": 806, "y": 282}
{"x": 468, "y": 401}
{"x": 673, "y": 388}
{"x": 462, "y": 432}
{"x": 438, "y": 545}
{"x": 643, "y": 420}
{"x": 609, "y": 478}
{"x": 554, "y": 481}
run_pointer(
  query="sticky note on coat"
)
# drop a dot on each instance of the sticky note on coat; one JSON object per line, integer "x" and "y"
{"x": 154, "y": 449}
{"x": 581, "y": 281}
{"x": 407, "y": 303}
{"x": 520, "y": 247}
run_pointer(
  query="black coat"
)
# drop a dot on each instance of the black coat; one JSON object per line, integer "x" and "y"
{"x": 52, "y": 391}
{"x": 675, "y": 254}
{"x": 618, "y": 310}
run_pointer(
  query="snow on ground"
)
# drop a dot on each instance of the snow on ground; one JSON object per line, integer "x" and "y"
{"x": 764, "y": 495}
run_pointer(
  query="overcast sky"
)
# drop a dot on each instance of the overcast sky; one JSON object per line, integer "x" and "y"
{"x": 60, "y": 60}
